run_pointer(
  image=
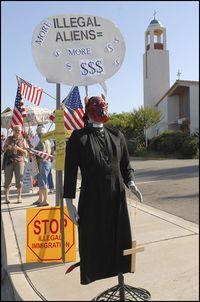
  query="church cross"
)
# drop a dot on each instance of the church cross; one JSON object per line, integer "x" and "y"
{"x": 133, "y": 252}
{"x": 154, "y": 14}
{"x": 178, "y": 74}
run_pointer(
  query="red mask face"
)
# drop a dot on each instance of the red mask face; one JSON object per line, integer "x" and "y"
{"x": 97, "y": 109}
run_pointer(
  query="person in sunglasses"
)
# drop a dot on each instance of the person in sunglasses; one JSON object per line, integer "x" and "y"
{"x": 14, "y": 161}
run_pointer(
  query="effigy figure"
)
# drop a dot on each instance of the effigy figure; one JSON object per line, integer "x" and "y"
{"x": 102, "y": 215}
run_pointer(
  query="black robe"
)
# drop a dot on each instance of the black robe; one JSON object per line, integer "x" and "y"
{"x": 104, "y": 227}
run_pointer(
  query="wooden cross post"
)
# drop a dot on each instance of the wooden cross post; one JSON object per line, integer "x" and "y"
{"x": 133, "y": 252}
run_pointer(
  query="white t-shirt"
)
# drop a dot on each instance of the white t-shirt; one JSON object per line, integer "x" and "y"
{"x": 34, "y": 140}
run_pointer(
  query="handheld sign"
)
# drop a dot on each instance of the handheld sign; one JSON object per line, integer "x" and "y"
{"x": 77, "y": 49}
{"x": 60, "y": 140}
{"x": 60, "y": 134}
{"x": 27, "y": 178}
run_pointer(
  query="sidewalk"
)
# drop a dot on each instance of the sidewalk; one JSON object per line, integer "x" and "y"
{"x": 168, "y": 267}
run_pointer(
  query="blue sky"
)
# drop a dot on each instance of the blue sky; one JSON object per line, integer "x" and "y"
{"x": 125, "y": 88}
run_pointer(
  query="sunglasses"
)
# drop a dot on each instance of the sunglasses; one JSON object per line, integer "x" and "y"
{"x": 17, "y": 130}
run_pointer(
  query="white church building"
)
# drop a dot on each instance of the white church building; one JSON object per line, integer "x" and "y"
{"x": 179, "y": 104}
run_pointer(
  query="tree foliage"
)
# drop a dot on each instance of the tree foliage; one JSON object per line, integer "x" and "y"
{"x": 146, "y": 117}
{"x": 133, "y": 125}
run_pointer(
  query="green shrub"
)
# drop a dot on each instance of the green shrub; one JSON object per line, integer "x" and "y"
{"x": 196, "y": 156}
{"x": 140, "y": 151}
{"x": 131, "y": 147}
{"x": 136, "y": 147}
{"x": 189, "y": 147}
{"x": 174, "y": 142}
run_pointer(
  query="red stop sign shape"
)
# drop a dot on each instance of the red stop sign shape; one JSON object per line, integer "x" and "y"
{"x": 44, "y": 235}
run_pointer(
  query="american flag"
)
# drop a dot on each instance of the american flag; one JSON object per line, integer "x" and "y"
{"x": 30, "y": 92}
{"x": 73, "y": 110}
{"x": 19, "y": 112}
{"x": 42, "y": 154}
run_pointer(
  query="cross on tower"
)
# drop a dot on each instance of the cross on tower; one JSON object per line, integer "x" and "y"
{"x": 154, "y": 14}
{"x": 178, "y": 74}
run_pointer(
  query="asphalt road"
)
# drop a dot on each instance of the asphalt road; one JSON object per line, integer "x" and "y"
{"x": 171, "y": 185}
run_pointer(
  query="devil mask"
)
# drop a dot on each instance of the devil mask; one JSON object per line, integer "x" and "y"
{"x": 97, "y": 109}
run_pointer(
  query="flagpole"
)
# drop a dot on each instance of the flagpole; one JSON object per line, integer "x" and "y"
{"x": 68, "y": 95}
{"x": 50, "y": 127}
{"x": 86, "y": 90}
{"x": 17, "y": 79}
{"x": 59, "y": 188}
{"x": 50, "y": 95}
{"x": 58, "y": 173}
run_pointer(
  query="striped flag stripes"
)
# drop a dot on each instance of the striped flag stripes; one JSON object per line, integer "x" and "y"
{"x": 19, "y": 112}
{"x": 42, "y": 154}
{"x": 73, "y": 110}
{"x": 30, "y": 92}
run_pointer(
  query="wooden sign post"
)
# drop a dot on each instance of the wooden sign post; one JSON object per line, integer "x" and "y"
{"x": 133, "y": 252}
{"x": 59, "y": 134}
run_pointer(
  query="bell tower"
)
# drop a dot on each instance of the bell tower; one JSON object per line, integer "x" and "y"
{"x": 155, "y": 63}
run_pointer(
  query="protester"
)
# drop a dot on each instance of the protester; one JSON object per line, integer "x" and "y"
{"x": 34, "y": 139}
{"x": 102, "y": 218}
{"x": 14, "y": 161}
{"x": 26, "y": 136}
{"x": 50, "y": 176}
{"x": 44, "y": 168}
{"x": 3, "y": 138}
{"x": 50, "y": 182}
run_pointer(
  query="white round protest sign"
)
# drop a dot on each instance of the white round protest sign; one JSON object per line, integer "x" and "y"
{"x": 77, "y": 49}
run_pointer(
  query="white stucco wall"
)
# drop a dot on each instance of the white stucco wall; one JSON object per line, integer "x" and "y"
{"x": 194, "y": 108}
{"x": 173, "y": 108}
{"x": 163, "y": 108}
{"x": 157, "y": 81}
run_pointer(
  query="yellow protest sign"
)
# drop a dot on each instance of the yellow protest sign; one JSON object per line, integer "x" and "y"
{"x": 54, "y": 134}
{"x": 60, "y": 140}
{"x": 43, "y": 239}
{"x": 59, "y": 134}
{"x": 47, "y": 135}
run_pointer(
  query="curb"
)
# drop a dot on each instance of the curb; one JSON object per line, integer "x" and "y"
{"x": 12, "y": 264}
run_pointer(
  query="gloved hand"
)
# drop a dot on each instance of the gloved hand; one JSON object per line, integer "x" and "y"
{"x": 72, "y": 211}
{"x": 135, "y": 190}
